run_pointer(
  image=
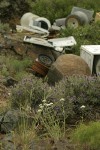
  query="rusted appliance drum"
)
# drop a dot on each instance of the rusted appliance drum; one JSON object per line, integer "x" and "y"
{"x": 40, "y": 68}
{"x": 77, "y": 19}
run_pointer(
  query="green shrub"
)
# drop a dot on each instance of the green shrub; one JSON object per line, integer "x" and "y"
{"x": 77, "y": 91}
{"x": 88, "y": 136}
{"x": 14, "y": 67}
{"x": 20, "y": 75}
{"x": 88, "y": 4}
{"x": 4, "y": 71}
{"x": 4, "y": 27}
{"x": 24, "y": 133}
{"x": 85, "y": 35}
{"x": 54, "y": 9}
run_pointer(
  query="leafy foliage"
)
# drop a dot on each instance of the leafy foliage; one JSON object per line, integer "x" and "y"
{"x": 10, "y": 9}
{"x": 88, "y": 136}
{"x": 4, "y": 27}
{"x": 51, "y": 9}
{"x": 85, "y": 35}
{"x": 76, "y": 92}
{"x": 54, "y": 9}
{"x": 14, "y": 67}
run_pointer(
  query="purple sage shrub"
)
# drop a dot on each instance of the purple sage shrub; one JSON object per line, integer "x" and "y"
{"x": 30, "y": 91}
{"x": 73, "y": 97}
{"x": 78, "y": 91}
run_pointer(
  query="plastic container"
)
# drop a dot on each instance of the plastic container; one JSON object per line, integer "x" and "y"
{"x": 34, "y": 20}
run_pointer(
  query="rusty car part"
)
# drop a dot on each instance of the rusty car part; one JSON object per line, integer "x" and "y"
{"x": 40, "y": 68}
{"x": 73, "y": 21}
{"x": 79, "y": 17}
{"x": 46, "y": 60}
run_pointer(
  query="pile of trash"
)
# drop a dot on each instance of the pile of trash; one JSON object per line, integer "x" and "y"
{"x": 41, "y": 25}
{"x": 43, "y": 38}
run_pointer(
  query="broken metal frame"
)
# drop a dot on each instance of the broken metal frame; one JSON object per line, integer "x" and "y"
{"x": 21, "y": 28}
{"x": 57, "y": 44}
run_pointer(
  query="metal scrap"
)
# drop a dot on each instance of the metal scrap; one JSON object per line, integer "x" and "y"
{"x": 57, "y": 44}
{"x": 34, "y": 23}
{"x": 37, "y": 41}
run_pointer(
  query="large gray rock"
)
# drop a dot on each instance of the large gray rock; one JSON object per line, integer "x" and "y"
{"x": 8, "y": 121}
{"x": 12, "y": 118}
{"x": 67, "y": 65}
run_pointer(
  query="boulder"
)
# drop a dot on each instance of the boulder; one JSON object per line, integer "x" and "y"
{"x": 8, "y": 121}
{"x": 67, "y": 65}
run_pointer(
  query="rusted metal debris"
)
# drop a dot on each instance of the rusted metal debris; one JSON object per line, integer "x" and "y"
{"x": 39, "y": 68}
{"x": 37, "y": 41}
{"x": 76, "y": 18}
{"x": 57, "y": 44}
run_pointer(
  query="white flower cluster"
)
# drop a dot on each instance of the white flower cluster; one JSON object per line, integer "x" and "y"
{"x": 62, "y": 100}
{"x": 45, "y": 104}
{"x": 82, "y": 107}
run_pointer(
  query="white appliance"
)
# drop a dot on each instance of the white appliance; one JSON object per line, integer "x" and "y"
{"x": 91, "y": 55}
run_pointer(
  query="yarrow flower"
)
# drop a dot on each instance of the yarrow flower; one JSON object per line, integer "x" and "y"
{"x": 49, "y": 104}
{"x": 28, "y": 108}
{"x": 82, "y": 107}
{"x": 44, "y": 100}
{"x": 9, "y": 94}
{"x": 39, "y": 110}
{"x": 62, "y": 100}
{"x": 41, "y": 106}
